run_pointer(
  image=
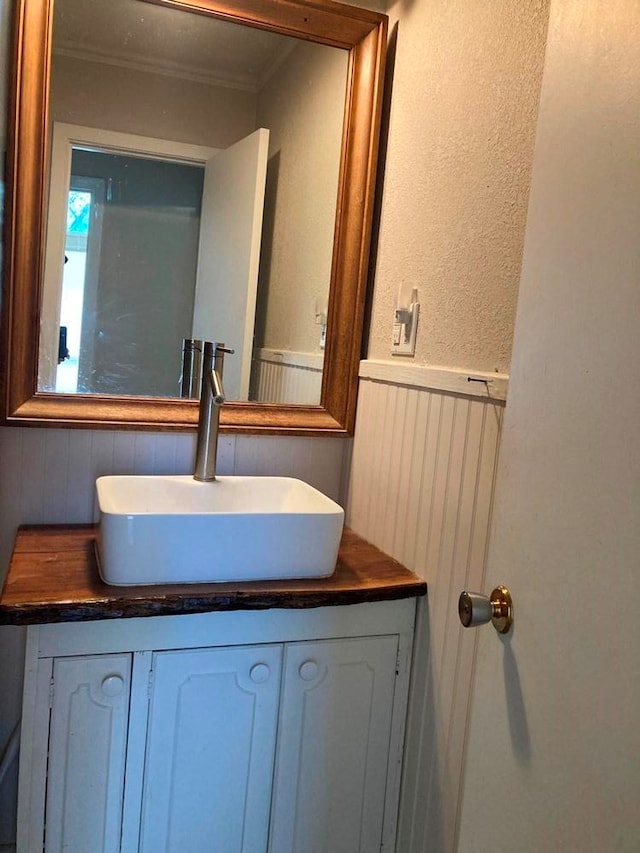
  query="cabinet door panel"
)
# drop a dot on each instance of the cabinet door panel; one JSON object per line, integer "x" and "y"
{"x": 210, "y": 750}
{"x": 87, "y": 749}
{"x": 333, "y": 747}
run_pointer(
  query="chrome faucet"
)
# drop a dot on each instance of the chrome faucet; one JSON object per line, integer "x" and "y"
{"x": 211, "y": 399}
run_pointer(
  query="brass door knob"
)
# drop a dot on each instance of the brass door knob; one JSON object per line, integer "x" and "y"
{"x": 476, "y": 609}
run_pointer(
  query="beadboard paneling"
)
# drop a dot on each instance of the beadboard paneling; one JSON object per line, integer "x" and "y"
{"x": 421, "y": 489}
{"x": 319, "y": 461}
{"x": 288, "y": 377}
{"x": 47, "y": 476}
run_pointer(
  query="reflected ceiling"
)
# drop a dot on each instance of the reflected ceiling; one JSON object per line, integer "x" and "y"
{"x": 192, "y": 46}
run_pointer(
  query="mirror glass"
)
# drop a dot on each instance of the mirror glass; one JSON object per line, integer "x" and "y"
{"x": 194, "y": 175}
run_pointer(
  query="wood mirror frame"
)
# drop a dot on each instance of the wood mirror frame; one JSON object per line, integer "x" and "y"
{"x": 363, "y": 34}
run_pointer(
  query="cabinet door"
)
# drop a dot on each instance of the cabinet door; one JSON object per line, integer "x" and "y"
{"x": 333, "y": 746}
{"x": 210, "y": 750}
{"x": 87, "y": 749}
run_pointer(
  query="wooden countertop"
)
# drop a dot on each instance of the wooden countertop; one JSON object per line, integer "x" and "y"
{"x": 53, "y": 577}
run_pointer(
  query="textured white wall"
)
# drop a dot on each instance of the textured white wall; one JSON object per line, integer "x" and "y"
{"x": 462, "y": 124}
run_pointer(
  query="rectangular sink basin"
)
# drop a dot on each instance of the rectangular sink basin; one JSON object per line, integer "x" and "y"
{"x": 174, "y": 529}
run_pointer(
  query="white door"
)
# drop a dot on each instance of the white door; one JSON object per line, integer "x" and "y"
{"x": 333, "y": 746}
{"x": 87, "y": 750}
{"x": 210, "y": 749}
{"x": 229, "y": 254}
{"x": 553, "y": 760}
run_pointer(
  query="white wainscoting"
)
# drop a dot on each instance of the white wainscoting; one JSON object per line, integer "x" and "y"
{"x": 47, "y": 477}
{"x": 288, "y": 377}
{"x": 469, "y": 383}
{"x": 421, "y": 489}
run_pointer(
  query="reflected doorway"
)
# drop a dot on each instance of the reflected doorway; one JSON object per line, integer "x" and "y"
{"x": 81, "y": 260}
{"x": 131, "y": 253}
{"x": 171, "y": 251}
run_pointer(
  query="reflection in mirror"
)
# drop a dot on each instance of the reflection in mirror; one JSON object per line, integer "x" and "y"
{"x": 189, "y": 198}
{"x": 125, "y": 304}
{"x": 135, "y": 88}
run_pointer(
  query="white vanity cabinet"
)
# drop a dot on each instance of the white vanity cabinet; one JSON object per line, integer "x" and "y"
{"x": 274, "y": 731}
{"x": 211, "y": 738}
{"x": 89, "y": 698}
{"x": 335, "y": 725}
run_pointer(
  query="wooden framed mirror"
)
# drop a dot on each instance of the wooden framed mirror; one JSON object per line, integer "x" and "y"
{"x": 360, "y": 36}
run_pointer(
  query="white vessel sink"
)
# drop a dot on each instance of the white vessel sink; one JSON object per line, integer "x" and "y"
{"x": 157, "y": 530}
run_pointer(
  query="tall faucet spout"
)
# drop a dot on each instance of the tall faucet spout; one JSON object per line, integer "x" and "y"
{"x": 212, "y": 398}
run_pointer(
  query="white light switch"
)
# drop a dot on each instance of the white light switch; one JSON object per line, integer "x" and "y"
{"x": 405, "y": 324}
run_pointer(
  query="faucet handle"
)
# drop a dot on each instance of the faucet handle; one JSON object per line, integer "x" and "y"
{"x": 217, "y": 390}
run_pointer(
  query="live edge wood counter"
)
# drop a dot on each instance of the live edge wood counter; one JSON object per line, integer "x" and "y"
{"x": 53, "y": 577}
